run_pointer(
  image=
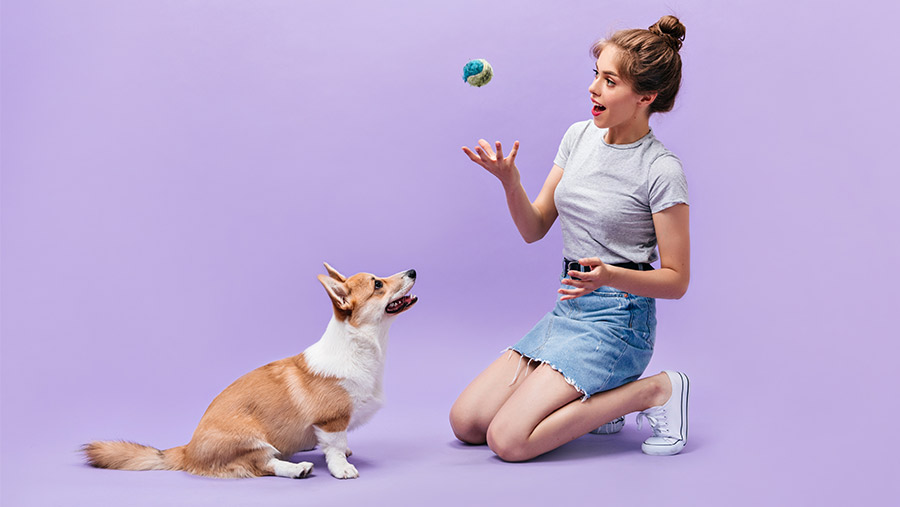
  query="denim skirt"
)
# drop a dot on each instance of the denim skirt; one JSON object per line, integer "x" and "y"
{"x": 598, "y": 341}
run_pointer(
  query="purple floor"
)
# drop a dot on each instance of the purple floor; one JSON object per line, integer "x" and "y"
{"x": 749, "y": 445}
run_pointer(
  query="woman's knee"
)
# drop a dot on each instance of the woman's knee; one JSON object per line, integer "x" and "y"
{"x": 466, "y": 424}
{"x": 507, "y": 445}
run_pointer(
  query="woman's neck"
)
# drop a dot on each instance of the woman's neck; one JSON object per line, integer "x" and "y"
{"x": 628, "y": 132}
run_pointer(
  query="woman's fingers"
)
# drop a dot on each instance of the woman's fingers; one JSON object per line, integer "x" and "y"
{"x": 572, "y": 293}
{"x": 573, "y": 281}
{"x": 471, "y": 154}
{"x": 487, "y": 148}
{"x": 481, "y": 158}
{"x": 590, "y": 261}
{"x": 485, "y": 158}
{"x": 494, "y": 162}
{"x": 488, "y": 154}
{"x": 574, "y": 289}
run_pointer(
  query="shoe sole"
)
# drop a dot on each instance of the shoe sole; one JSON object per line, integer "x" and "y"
{"x": 615, "y": 424}
{"x": 675, "y": 448}
{"x": 663, "y": 450}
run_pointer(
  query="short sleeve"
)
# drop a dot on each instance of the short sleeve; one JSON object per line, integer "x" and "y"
{"x": 566, "y": 145}
{"x": 668, "y": 185}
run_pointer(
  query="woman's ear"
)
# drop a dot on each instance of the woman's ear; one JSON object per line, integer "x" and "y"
{"x": 646, "y": 99}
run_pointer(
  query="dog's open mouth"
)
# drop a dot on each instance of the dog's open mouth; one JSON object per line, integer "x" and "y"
{"x": 401, "y": 304}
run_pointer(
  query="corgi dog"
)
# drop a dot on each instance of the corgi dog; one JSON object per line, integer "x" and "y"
{"x": 257, "y": 423}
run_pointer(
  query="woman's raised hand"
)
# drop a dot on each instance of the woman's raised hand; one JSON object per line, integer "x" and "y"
{"x": 504, "y": 168}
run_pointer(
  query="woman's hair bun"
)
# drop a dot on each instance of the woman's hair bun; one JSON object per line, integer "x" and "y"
{"x": 671, "y": 29}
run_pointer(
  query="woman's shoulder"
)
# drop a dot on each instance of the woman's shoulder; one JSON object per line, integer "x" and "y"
{"x": 660, "y": 157}
{"x": 667, "y": 166}
{"x": 580, "y": 132}
{"x": 581, "y": 125}
{"x": 579, "y": 128}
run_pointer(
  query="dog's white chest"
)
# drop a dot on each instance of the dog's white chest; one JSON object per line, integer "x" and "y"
{"x": 358, "y": 361}
{"x": 367, "y": 399}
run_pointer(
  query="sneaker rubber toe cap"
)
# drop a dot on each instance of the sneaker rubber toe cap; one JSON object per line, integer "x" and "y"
{"x": 662, "y": 446}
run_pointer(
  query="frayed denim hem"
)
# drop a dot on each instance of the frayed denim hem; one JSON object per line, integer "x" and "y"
{"x": 522, "y": 356}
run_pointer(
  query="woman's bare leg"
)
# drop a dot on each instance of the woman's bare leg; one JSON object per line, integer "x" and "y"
{"x": 545, "y": 412}
{"x": 475, "y": 408}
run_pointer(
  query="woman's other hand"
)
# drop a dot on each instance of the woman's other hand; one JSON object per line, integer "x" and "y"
{"x": 585, "y": 283}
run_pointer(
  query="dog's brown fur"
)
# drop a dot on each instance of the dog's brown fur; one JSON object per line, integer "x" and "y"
{"x": 266, "y": 416}
{"x": 277, "y": 403}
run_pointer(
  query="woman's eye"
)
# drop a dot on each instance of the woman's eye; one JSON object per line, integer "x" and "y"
{"x": 610, "y": 82}
{"x": 378, "y": 284}
{"x": 596, "y": 73}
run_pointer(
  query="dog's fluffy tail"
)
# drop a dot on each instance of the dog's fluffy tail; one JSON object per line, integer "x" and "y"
{"x": 122, "y": 455}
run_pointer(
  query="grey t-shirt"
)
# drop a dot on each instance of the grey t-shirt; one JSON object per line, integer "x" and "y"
{"x": 609, "y": 192}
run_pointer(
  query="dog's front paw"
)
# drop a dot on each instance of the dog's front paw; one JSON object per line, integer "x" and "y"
{"x": 344, "y": 471}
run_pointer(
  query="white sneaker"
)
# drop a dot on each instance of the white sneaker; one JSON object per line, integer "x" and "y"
{"x": 670, "y": 421}
{"x": 611, "y": 427}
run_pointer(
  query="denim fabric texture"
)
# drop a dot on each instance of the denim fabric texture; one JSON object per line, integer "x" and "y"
{"x": 598, "y": 341}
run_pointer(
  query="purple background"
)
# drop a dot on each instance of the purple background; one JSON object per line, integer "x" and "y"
{"x": 174, "y": 172}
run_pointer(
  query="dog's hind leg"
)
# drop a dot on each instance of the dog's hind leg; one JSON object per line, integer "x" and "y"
{"x": 288, "y": 469}
{"x": 269, "y": 464}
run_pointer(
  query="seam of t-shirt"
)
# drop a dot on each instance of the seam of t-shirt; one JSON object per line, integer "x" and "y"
{"x": 648, "y": 137}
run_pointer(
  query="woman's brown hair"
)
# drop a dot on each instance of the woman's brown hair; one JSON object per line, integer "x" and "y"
{"x": 649, "y": 59}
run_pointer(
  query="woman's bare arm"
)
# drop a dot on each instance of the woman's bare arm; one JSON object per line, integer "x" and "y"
{"x": 533, "y": 219}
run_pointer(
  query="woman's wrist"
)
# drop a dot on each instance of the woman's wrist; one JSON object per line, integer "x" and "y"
{"x": 512, "y": 185}
{"x": 612, "y": 276}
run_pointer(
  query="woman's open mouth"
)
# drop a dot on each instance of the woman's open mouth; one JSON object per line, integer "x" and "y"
{"x": 598, "y": 109}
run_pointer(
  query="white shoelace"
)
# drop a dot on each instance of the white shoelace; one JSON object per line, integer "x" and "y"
{"x": 656, "y": 418}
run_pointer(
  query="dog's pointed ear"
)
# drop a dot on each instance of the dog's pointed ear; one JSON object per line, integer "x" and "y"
{"x": 337, "y": 291}
{"x": 334, "y": 273}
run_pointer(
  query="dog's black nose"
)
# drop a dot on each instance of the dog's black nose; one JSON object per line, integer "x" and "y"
{"x": 411, "y": 273}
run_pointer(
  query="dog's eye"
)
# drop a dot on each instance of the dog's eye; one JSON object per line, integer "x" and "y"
{"x": 378, "y": 284}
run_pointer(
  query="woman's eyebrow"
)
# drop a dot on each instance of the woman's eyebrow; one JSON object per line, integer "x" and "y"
{"x": 607, "y": 72}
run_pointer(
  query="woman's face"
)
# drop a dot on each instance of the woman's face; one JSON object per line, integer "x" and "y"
{"x": 615, "y": 102}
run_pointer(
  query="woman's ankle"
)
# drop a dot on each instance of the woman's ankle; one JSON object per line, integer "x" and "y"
{"x": 659, "y": 391}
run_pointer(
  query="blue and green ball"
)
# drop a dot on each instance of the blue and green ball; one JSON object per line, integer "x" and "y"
{"x": 478, "y": 72}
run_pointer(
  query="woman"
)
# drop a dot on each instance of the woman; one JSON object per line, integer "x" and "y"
{"x": 619, "y": 195}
